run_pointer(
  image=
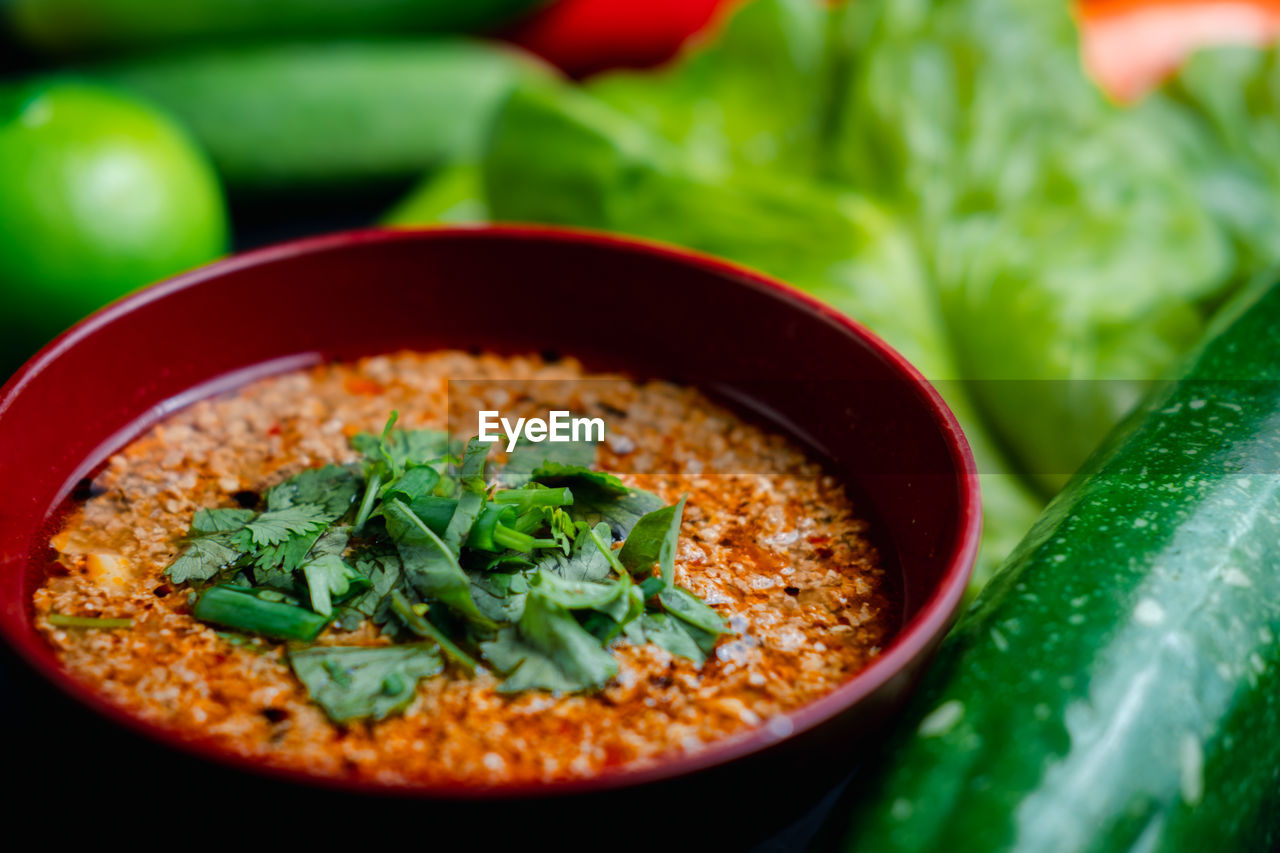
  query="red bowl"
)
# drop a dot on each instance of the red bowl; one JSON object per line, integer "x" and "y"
{"x": 765, "y": 349}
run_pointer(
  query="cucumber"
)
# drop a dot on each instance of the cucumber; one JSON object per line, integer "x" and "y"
{"x": 303, "y": 115}
{"x": 1117, "y": 685}
{"x": 75, "y": 25}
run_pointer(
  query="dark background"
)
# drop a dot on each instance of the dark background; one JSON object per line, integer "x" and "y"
{"x": 75, "y": 773}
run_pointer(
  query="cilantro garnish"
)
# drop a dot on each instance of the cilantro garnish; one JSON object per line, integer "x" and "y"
{"x": 210, "y": 521}
{"x": 203, "y": 558}
{"x": 273, "y": 527}
{"x": 370, "y": 682}
{"x": 459, "y": 566}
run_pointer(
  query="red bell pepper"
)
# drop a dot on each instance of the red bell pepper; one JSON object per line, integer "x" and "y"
{"x": 583, "y": 36}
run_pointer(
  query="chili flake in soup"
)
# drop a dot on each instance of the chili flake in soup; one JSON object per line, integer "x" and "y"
{"x": 285, "y": 573}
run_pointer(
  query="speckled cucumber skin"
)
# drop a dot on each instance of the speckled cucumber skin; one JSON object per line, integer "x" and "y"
{"x": 1116, "y": 686}
{"x": 289, "y": 116}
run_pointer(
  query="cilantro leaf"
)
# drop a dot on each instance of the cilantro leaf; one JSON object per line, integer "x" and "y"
{"x": 275, "y": 526}
{"x": 653, "y": 540}
{"x": 429, "y": 565}
{"x": 585, "y": 561}
{"x": 579, "y": 478}
{"x": 623, "y": 608}
{"x": 549, "y": 650}
{"x": 691, "y": 610}
{"x": 610, "y": 621}
{"x": 334, "y": 540}
{"x": 329, "y": 578}
{"x": 528, "y": 456}
{"x": 414, "y": 483}
{"x": 213, "y": 544}
{"x": 471, "y": 471}
{"x": 331, "y": 488}
{"x": 435, "y": 512}
{"x": 403, "y": 447}
{"x": 542, "y": 585}
{"x": 675, "y": 636}
{"x": 284, "y": 557}
{"x": 383, "y": 573}
{"x": 358, "y": 682}
{"x": 500, "y": 595}
{"x": 275, "y": 577}
{"x": 576, "y": 595}
{"x": 275, "y": 564}
{"x": 209, "y": 521}
{"x": 203, "y": 558}
{"x": 620, "y": 512}
{"x": 414, "y": 617}
{"x": 611, "y": 605}
{"x": 464, "y": 516}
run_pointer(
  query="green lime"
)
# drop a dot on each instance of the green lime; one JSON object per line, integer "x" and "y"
{"x": 100, "y": 194}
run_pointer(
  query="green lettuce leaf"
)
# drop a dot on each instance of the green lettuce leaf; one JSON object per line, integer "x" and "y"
{"x": 1069, "y": 245}
{"x": 1235, "y": 91}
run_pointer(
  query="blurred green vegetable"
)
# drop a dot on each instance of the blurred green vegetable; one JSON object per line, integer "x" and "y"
{"x": 99, "y": 194}
{"x": 1237, "y": 92}
{"x": 689, "y": 156}
{"x": 962, "y": 188}
{"x": 753, "y": 98}
{"x": 559, "y": 155}
{"x": 452, "y": 194}
{"x": 309, "y": 116}
{"x": 1070, "y": 248}
{"x": 78, "y": 25}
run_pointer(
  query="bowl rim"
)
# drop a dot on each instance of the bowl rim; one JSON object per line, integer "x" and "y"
{"x": 913, "y": 639}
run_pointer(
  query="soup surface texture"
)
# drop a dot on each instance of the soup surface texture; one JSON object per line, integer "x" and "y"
{"x": 768, "y": 539}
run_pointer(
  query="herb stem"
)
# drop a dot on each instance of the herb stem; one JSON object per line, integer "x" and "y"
{"x": 370, "y": 495}
{"x": 525, "y": 498}
{"x": 62, "y": 620}
{"x": 420, "y": 626}
{"x": 607, "y": 550}
{"x": 507, "y": 537}
{"x": 318, "y": 586}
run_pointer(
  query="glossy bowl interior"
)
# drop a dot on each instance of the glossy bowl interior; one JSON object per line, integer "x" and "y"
{"x": 765, "y": 349}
